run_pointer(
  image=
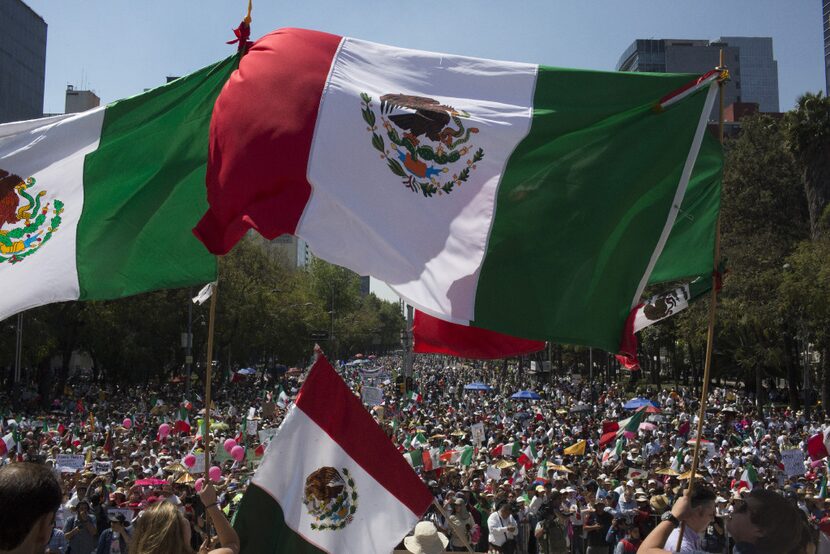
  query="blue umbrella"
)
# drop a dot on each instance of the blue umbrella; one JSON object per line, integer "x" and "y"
{"x": 526, "y": 395}
{"x": 247, "y": 371}
{"x": 477, "y": 386}
{"x": 637, "y": 403}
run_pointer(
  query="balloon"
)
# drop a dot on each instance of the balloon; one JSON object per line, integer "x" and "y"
{"x": 215, "y": 473}
{"x": 199, "y": 484}
{"x": 127, "y": 423}
{"x": 189, "y": 460}
{"x": 229, "y": 444}
{"x": 238, "y": 453}
{"x": 164, "y": 430}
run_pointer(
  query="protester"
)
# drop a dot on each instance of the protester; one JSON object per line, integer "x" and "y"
{"x": 426, "y": 539}
{"x": 503, "y": 529}
{"x": 116, "y": 539}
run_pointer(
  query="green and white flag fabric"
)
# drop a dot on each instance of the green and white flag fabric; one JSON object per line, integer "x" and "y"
{"x": 415, "y": 457}
{"x": 529, "y": 200}
{"x": 419, "y": 441}
{"x": 100, "y": 204}
{"x": 330, "y": 481}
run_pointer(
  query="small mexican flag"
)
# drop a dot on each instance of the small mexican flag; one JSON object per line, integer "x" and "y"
{"x": 748, "y": 479}
{"x": 413, "y": 396}
{"x": 415, "y": 457}
{"x": 512, "y": 449}
{"x": 7, "y": 443}
{"x": 528, "y": 456}
{"x": 542, "y": 472}
{"x": 182, "y": 422}
{"x": 419, "y": 441}
{"x": 282, "y": 398}
{"x": 463, "y": 456}
{"x": 331, "y": 481}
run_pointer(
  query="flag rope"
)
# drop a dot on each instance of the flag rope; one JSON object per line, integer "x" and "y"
{"x": 710, "y": 331}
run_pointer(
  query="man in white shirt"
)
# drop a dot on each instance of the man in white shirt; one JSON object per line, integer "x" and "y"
{"x": 501, "y": 524}
{"x": 702, "y": 513}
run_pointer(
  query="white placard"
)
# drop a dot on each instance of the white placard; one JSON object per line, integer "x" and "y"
{"x": 199, "y": 466}
{"x": 372, "y": 396}
{"x": 251, "y": 427}
{"x": 793, "y": 461}
{"x": 101, "y": 468}
{"x": 477, "y": 432}
{"x": 69, "y": 463}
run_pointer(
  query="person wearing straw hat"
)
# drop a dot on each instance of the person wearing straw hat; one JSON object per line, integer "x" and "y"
{"x": 426, "y": 539}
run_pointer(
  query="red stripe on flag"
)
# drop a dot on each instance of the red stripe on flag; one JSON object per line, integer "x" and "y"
{"x": 435, "y": 336}
{"x": 327, "y": 400}
{"x": 260, "y": 138}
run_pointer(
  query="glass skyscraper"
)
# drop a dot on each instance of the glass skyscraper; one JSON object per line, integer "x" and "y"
{"x": 22, "y": 61}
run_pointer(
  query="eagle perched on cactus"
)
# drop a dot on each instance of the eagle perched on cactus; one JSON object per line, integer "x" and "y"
{"x": 430, "y": 117}
{"x": 9, "y": 200}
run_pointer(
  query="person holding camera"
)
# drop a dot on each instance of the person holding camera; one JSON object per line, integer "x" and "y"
{"x": 550, "y": 532}
{"x": 116, "y": 539}
{"x": 503, "y": 529}
{"x": 80, "y": 529}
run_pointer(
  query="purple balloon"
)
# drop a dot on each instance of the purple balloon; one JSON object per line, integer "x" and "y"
{"x": 199, "y": 484}
{"x": 238, "y": 453}
{"x": 215, "y": 473}
{"x": 229, "y": 444}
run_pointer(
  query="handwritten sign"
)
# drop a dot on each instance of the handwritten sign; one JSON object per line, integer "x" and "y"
{"x": 793, "y": 461}
{"x": 199, "y": 466}
{"x": 372, "y": 396}
{"x": 101, "y": 468}
{"x": 69, "y": 463}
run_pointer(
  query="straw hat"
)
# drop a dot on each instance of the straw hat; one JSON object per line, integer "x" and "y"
{"x": 426, "y": 540}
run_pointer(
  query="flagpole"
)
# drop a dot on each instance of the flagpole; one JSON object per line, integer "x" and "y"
{"x": 710, "y": 331}
{"x": 209, "y": 377}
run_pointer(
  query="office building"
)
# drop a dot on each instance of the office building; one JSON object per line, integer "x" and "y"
{"x": 759, "y": 71}
{"x": 753, "y": 70}
{"x": 22, "y": 61}
{"x": 80, "y": 100}
{"x": 825, "y": 18}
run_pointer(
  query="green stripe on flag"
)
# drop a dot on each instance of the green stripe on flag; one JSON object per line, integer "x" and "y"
{"x": 610, "y": 204}
{"x": 144, "y": 190}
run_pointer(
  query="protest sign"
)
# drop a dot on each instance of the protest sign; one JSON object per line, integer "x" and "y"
{"x": 477, "y": 432}
{"x": 199, "y": 466}
{"x": 372, "y": 396}
{"x": 793, "y": 461}
{"x": 69, "y": 463}
{"x": 251, "y": 427}
{"x": 101, "y": 468}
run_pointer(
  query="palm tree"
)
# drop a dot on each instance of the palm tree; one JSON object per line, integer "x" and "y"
{"x": 808, "y": 135}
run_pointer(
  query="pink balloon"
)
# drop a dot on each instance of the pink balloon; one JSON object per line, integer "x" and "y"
{"x": 238, "y": 453}
{"x": 189, "y": 460}
{"x": 229, "y": 444}
{"x": 215, "y": 473}
{"x": 127, "y": 423}
{"x": 199, "y": 484}
{"x": 164, "y": 430}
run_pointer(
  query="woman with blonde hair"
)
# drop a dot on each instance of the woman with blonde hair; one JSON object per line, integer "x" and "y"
{"x": 162, "y": 529}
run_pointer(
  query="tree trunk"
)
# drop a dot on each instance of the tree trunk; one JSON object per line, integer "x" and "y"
{"x": 791, "y": 356}
{"x": 759, "y": 389}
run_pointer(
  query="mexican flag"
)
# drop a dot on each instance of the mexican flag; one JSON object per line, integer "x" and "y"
{"x": 533, "y": 201}
{"x": 282, "y": 398}
{"x": 415, "y": 457}
{"x": 542, "y": 473}
{"x": 330, "y": 481}
{"x": 182, "y": 422}
{"x": 100, "y": 204}
{"x": 419, "y": 441}
{"x": 413, "y": 396}
{"x": 513, "y": 449}
{"x": 749, "y": 477}
{"x": 7, "y": 443}
{"x": 463, "y": 456}
{"x": 528, "y": 456}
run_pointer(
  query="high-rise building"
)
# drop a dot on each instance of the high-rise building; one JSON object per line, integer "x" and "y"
{"x": 759, "y": 71}
{"x": 80, "y": 100}
{"x": 753, "y": 70}
{"x": 22, "y": 61}
{"x": 825, "y": 18}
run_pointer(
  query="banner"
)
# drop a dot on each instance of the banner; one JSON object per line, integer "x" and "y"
{"x": 101, "y": 468}
{"x": 477, "y": 433}
{"x": 69, "y": 463}
{"x": 251, "y": 427}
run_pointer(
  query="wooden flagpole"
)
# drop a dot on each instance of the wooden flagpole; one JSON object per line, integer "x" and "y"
{"x": 710, "y": 332}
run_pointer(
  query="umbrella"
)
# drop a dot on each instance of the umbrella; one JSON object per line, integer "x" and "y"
{"x": 667, "y": 471}
{"x": 639, "y": 402}
{"x": 652, "y": 409}
{"x": 185, "y": 479}
{"x": 526, "y": 395}
{"x": 150, "y": 482}
{"x": 504, "y": 464}
{"x": 358, "y": 355}
{"x": 688, "y": 474}
{"x": 559, "y": 468}
{"x": 247, "y": 371}
{"x": 477, "y": 386}
{"x": 694, "y": 439}
{"x": 646, "y": 426}
{"x": 175, "y": 468}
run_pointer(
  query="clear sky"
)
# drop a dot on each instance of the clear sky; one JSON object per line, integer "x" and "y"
{"x": 120, "y": 47}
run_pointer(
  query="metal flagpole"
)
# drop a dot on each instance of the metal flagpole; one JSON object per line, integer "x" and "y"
{"x": 710, "y": 332}
{"x": 209, "y": 377}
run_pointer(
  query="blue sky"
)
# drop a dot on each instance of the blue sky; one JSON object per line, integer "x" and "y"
{"x": 120, "y": 47}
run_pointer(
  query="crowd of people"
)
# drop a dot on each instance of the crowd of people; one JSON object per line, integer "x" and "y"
{"x": 578, "y": 470}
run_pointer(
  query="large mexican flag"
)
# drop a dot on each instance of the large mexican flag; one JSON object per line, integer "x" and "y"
{"x": 331, "y": 480}
{"x": 529, "y": 200}
{"x": 100, "y": 204}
